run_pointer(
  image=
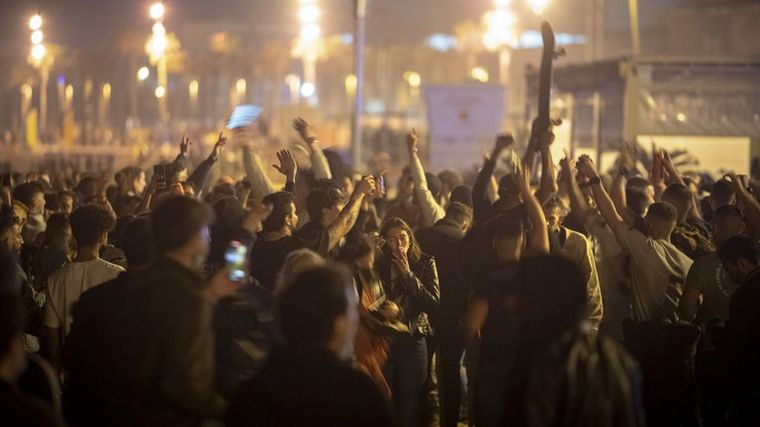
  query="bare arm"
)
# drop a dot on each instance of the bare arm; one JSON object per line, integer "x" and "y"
{"x": 603, "y": 201}
{"x": 539, "y": 237}
{"x": 689, "y": 304}
{"x": 674, "y": 177}
{"x": 347, "y": 217}
{"x": 751, "y": 206}
{"x": 548, "y": 186}
{"x": 483, "y": 180}
{"x": 578, "y": 205}
{"x": 617, "y": 194}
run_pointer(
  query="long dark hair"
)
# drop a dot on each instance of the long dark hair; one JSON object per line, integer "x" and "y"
{"x": 415, "y": 253}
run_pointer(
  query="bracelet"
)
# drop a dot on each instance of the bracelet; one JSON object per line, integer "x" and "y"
{"x": 595, "y": 180}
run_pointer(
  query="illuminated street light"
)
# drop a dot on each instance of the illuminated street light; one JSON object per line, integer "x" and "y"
{"x": 38, "y": 52}
{"x": 106, "y": 91}
{"x": 35, "y": 22}
{"x": 160, "y": 92}
{"x": 307, "y": 46}
{"x": 156, "y": 11}
{"x": 240, "y": 86}
{"x": 308, "y": 14}
{"x": 413, "y": 79}
{"x": 307, "y": 89}
{"x": 69, "y": 94}
{"x": 192, "y": 89}
{"x": 37, "y": 37}
{"x": 538, "y": 6}
{"x": 501, "y": 35}
{"x": 310, "y": 33}
{"x": 143, "y": 73}
{"x": 350, "y": 84}
{"x": 479, "y": 74}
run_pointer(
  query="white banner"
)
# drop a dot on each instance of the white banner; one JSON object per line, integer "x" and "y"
{"x": 462, "y": 122}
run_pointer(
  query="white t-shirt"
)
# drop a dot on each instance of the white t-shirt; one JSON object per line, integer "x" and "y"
{"x": 68, "y": 283}
{"x": 658, "y": 272}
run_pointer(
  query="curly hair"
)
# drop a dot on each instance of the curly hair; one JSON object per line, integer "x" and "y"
{"x": 89, "y": 222}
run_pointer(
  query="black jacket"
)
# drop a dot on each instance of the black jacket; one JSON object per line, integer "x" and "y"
{"x": 308, "y": 387}
{"x": 442, "y": 241}
{"x": 418, "y": 295}
{"x": 744, "y": 336}
{"x": 159, "y": 369}
{"x": 20, "y": 410}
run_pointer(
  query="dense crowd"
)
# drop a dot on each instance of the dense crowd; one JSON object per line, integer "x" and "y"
{"x": 576, "y": 297}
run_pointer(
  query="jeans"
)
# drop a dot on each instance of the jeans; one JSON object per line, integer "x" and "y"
{"x": 406, "y": 372}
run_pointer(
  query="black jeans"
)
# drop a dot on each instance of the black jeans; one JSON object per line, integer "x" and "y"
{"x": 406, "y": 372}
{"x": 450, "y": 352}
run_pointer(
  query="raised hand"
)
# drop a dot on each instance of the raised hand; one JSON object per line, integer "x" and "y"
{"x": 586, "y": 167}
{"x": 503, "y": 141}
{"x": 566, "y": 164}
{"x": 287, "y": 166}
{"x": 627, "y": 155}
{"x": 412, "y": 140}
{"x": 522, "y": 179}
{"x": 305, "y": 130}
{"x": 184, "y": 145}
{"x": 221, "y": 142}
{"x": 255, "y": 216}
{"x": 366, "y": 186}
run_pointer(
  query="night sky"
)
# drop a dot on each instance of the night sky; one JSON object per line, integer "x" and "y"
{"x": 87, "y": 23}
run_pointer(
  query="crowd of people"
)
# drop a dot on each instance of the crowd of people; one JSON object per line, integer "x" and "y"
{"x": 543, "y": 294}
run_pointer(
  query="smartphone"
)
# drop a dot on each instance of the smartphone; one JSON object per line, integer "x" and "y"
{"x": 381, "y": 184}
{"x": 243, "y": 116}
{"x": 235, "y": 258}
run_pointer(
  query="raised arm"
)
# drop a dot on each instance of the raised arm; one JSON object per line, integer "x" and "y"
{"x": 287, "y": 167}
{"x": 750, "y": 204}
{"x": 658, "y": 172}
{"x": 548, "y": 186}
{"x": 539, "y": 236}
{"x": 254, "y": 171}
{"x": 200, "y": 175}
{"x": 619, "y": 199}
{"x": 674, "y": 177}
{"x": 603, "y": 200}
{"x": 347, "y": 217}
{"x": 483, "y": 180}
{"x": 432, "y": 211}
{"x": 319, "y": 163}
{"x": 578, "y": 206}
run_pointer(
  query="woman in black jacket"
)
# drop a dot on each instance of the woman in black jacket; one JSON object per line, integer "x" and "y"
{"x": 410, "y": 280}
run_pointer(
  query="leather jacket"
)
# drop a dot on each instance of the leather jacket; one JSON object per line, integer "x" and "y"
{"x": 418, "y": 294}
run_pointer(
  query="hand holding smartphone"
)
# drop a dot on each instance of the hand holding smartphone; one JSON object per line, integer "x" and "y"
{"x": 235, "y": 259}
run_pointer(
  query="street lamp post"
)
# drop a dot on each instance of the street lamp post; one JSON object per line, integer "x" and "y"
{"x": 308, "y": 47}
{"x": 40, "y": 60}
{"x": 501, "y": 36}
{"x": 356, "y": 116}
{"x": 156, "y": 49}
